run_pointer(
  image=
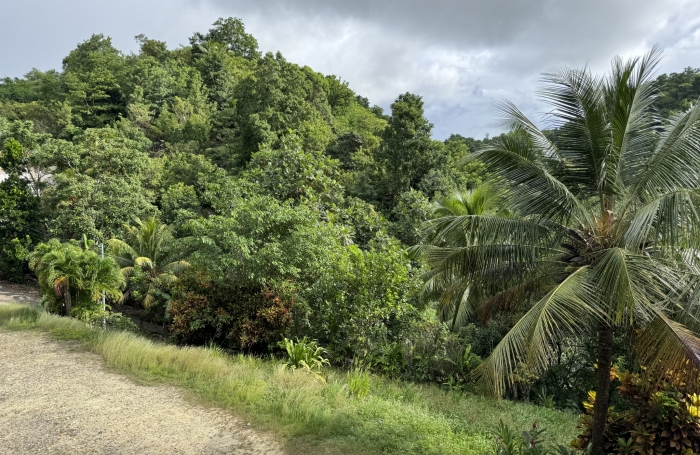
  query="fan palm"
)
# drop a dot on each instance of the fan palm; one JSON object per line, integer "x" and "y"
{"x": 604, "y": 232}
{"x": 145, "y": 247}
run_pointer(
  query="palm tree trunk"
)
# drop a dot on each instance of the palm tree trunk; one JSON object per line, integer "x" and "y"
{"x": 67, "y": 300}
{"x": 602, "y": 397}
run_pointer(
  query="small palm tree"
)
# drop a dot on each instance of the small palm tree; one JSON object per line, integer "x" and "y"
{"x": 77, "y": 275}
{"x": 605, "y": 231}
{"x": 144, "y": 247}
{"x": 457, "y": 301}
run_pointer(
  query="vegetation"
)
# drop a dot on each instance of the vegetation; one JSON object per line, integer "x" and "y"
{"x": 73, "y": 278}
{"x": 394, "y": 417}
{"x": 144, "y": 261}
{"x": 532, "y": 442}
{"x": 306, "y": 355}
{"x": 603, "y": 222}
{"x": 662, "y": 417}
{"x": 246, "y": 200}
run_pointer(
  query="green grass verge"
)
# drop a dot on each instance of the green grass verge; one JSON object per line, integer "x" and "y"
{"x": 393, "y": 418}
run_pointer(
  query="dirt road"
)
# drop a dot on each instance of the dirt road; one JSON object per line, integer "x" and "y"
{"x": 17, "y": 293}
{"x": 57, "y": 399}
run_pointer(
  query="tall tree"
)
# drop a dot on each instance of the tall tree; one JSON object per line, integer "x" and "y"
{"x": 92, "y": 75}
{"x": 99, "y": 182}
{"x": 231, "y": 33}
{"x": 19, "y": 207}
{"x": 408, "y": 153}
{"x": 602, "y": 232}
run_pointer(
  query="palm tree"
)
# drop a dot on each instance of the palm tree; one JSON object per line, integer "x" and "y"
{"x": 78, "y": 276}
{"x": 604, "y": 234}
{"x": 144, "y": 247}
{"x": 457, "y": 301}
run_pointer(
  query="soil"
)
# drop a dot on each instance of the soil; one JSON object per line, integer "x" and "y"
{"x": 56, "y": 398}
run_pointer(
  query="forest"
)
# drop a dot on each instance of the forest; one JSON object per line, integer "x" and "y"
{"x": 243, "y": 201}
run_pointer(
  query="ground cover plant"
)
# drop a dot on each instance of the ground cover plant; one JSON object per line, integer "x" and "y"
{"x": 391, "y": 417}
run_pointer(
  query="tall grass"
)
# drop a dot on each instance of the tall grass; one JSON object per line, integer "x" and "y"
{"x": 393, "y": 417}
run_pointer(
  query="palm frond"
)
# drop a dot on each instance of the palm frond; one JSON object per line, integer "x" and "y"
{"x": 629, "y": 97}
{"x": 667, "y": 346}
{"x": 579, "y": 114}
{"x": 144, "y": 262}
{"x": 176, "y": 267}
{"x": 536, "y": 191}
{"x": 666, "y": 219}
{"x": 667, "y": 169}
{"x": 565, "y": 310}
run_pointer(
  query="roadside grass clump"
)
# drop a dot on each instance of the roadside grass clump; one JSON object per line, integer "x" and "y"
{"x": 307, "y": 414}
{"x": 17, "y": 317}
{"x": 305, "y": 355}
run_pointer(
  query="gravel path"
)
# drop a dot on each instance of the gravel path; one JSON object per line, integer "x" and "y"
{"x": 57, "y": 399}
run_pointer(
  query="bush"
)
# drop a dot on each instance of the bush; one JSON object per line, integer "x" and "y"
{"x": 361, "y": 303}
{"x": 662, "y": 418}
{"x": 250, "y": 319}
{"x": 436, "y": 354}
{"x": 304, "y": 355}
{"x": 114, "y": 321}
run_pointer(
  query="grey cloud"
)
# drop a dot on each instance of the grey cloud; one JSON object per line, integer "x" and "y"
{"x": 463, "y": 53}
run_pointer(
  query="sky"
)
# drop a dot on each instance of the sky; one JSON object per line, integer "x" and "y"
{"x": 461, "y": 56}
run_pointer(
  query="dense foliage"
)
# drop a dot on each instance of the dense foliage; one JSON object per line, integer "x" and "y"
{"x": 244, "y": 199}
{"x": 602, "y": 233}
{"x": 659, "y": 417}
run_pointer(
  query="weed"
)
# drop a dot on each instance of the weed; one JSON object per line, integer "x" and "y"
{"x": 509, "y": 442}
{"x": 18, "y": 317}
{"x": 358, "y": 383}
{"x": 305, "y": 355}
{"x": 544, "y": 399}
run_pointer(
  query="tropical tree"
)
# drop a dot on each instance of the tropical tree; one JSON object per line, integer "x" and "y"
{"x": 603, "y": 233}
{"x": 75, "y": 274}
{"x": 456, "y": 299}
{"x": 144, "y": 249}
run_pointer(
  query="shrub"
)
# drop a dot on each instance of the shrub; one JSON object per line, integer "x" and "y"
{"x": 73, "y": 277}
{"x": 304, "y": 355}
{"x": 250, "y": 319}
{"x": 427, "y": 352}
{"x": 663, "y": 417}
{"x": 114, "y": 321}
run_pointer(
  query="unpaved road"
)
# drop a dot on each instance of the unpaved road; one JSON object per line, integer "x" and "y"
{"x": 58, "y": 399}
{"x": 17, "y": 293}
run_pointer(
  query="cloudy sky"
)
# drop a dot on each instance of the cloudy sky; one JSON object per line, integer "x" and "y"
{"x": 461, "y": 55}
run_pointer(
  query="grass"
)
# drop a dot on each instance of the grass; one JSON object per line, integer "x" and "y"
{"x": 390, "y": 418}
